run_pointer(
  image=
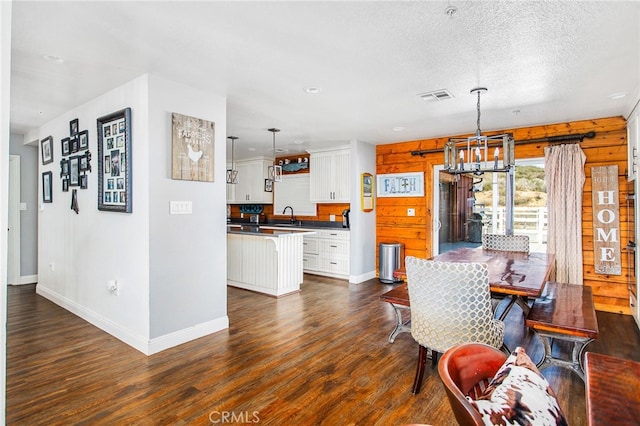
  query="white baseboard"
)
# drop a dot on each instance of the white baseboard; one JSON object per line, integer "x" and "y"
{"x": 29, "y": 279}
{"x": 179, "y": 337}
{"x": 357, "y": 279}
{"x": 140, "y": 343}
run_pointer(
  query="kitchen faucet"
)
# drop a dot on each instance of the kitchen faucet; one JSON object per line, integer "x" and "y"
{"x": 293, "y": 219}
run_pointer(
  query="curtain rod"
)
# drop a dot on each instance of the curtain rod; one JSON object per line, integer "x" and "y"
{"x": 551, "y": 139}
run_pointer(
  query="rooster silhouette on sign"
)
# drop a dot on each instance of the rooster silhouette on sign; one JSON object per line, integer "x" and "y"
{"x": 194, "y": 155}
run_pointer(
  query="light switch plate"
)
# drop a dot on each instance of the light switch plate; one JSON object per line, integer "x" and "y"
{"x": 180, "y": 207}
{"x": 411, "y": 212}
{"x": 23, "y": 207}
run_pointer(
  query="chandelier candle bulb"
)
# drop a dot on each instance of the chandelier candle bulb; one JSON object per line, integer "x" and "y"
{"x": 462, "y": 159}
{"x": 496, "y": 153}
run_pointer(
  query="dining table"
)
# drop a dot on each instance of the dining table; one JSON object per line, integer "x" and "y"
{"x": 517, "y": 276}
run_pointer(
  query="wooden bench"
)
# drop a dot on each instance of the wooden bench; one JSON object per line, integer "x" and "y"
{"x": 564, "y": 312}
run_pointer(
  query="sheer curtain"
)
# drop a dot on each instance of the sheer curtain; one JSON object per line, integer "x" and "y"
{"x": 564, "y": 177}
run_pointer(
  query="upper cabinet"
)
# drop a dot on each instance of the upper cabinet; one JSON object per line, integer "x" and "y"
{"x": 329, "y": 176}
{"x": 633, "y": 136}
{"x": 250, "y": 186}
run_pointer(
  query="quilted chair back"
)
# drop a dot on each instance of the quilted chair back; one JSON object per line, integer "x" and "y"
{"x": 506, "y": 242}
{"x": 451, "y": 304}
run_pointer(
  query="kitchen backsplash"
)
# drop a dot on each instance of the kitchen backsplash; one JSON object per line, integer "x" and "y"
{"x": 324, "y": 212}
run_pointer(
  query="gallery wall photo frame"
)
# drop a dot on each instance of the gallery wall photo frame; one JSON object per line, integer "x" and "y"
{"x": 47, "y": 187}
{"x": 410, "y": 184}
{"x": 46, "y": 150}
{"x": 114, "y": 162}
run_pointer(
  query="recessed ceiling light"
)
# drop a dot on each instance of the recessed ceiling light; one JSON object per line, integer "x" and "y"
{"x": 251, "y": 149}
{"x": 618, "y": 95}
{"x": 312, "y": 90}
{"x": 53, "y": 58}
{"x": 398, "y": 129}
{"x": 298, "y": 141}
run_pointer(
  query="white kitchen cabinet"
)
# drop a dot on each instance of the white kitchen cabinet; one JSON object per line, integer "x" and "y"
{"x": 250, "y": 186}
{"x": 633, "y": 136}
{"x": 327, "y": 253}
{"x": 293, "y": 191}
{"x": 329, "y": 176}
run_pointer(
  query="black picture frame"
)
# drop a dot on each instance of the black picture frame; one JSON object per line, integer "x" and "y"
{"x": 83, "y": 140}
{"x": 84, "y": 181}
{"x": 47, "y": 187}
{"x": 114, "y": 162}
{"x": 74, "y": 127}
{"x": 65, "y": 146}
{"x": 268, "y": 185}
{"x": 46, "y": 150}
{"x": 74, "y": 142}
{"x": 65, "y": 185}
{"x": 74, "y": 170}
{"x": 64, "y": 168}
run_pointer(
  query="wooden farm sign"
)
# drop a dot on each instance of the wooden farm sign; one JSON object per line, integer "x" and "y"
{"x": 192, "y": 148}
{"x": 606, "y": 220}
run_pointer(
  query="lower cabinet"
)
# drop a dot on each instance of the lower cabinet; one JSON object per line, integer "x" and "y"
{"x": 327, "y": 253}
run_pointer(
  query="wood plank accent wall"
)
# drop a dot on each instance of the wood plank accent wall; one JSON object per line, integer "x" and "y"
{"x": 607, "y": 148}
{"x": 323, "y": 212}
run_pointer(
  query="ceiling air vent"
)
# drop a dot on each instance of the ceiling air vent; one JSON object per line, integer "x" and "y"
{"x": 436, "y": 95}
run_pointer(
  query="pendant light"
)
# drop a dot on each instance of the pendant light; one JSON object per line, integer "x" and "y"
{"x": 473, "y": 155}
{"x": 275, "y": 171}
{"x": 232, "y": 173}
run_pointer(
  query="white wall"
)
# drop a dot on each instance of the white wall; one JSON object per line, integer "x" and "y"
{"x": 363, "y": 225}
{"x": 188, "y": 267}
{"x": 162, "y": 302}
{"x": 79, "y": 253}
{"x": 5, "y": 96}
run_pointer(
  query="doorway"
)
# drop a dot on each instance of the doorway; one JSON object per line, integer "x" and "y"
{"x": 13, "y": 234}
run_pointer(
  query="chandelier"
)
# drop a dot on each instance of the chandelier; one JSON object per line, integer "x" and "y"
{"x": 275, "y": 172}
{"x": 232, "y": 173}
{"x": 478, "y": 154}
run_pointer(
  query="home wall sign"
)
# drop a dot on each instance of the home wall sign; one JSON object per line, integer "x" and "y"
{"x": 400, "y": 185}
{"x": 606, "y": 220}
{"x": 366, "y": 192}
{"x": 114, "y": 162}
{"x": 192, "y": 148}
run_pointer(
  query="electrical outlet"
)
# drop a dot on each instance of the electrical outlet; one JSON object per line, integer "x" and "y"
{"x": 52, "y": 266}
{"x": 332, "y": 217}
{"x": 411, "y": 212}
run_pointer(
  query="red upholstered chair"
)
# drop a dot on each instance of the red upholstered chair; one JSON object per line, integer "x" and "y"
{"x": 466, "y": 370}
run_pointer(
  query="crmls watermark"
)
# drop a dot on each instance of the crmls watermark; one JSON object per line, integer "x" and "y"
{"x": 221, "y": 417}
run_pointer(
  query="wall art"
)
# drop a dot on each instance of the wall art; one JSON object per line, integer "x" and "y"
{"x": 192, "y": 148}
{"x": 114, "y": 162}
{"x": 47, "y": 187}
{"x": 400, "y": 185}
{"x": 46, "y": 150}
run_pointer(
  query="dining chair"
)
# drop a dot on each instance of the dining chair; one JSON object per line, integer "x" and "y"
{"x": 466, "y": 370}
{"x": 501, "y": 242}
{"x": 450, "y": 305}
{"x": 518, "y": 243}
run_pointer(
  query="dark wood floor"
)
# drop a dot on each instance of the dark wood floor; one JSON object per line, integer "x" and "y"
{"x": 320, "y": 356}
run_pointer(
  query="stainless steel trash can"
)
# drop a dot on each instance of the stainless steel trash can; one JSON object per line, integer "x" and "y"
{"x": 390, "y": 258}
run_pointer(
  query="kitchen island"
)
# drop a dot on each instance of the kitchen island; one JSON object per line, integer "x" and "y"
{"x": 268, "y": 261}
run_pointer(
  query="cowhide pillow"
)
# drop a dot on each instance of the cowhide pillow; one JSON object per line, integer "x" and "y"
{"x": 519, "y": 395}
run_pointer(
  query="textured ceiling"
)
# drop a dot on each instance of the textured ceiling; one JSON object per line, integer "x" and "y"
{"x": 553, "y": 61}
